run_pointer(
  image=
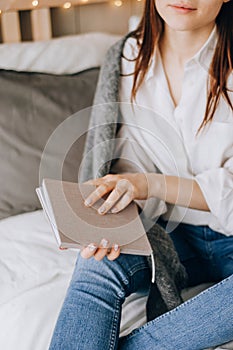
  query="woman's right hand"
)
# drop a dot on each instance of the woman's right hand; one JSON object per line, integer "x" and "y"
{"x": 99, "y": 252}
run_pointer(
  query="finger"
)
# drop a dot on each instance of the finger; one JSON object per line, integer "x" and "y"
{"x": 112, "y": 199}
{"x": 125, "y": 200}
{"x": 114, "y": 253}
{"x": 122, "y": 186}
{"x": 89, "y": 251}
{"x": 98, "y": 193}
{"x": 102, "y": 251}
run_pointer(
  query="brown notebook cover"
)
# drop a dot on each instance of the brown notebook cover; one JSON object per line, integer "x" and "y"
{"x": 76, "y": 226}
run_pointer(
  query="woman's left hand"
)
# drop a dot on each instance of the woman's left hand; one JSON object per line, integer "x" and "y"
{"x": 122, "y": 189}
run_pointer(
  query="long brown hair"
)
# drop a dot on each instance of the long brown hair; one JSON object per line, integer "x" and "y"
{"x": 148, "y": 34}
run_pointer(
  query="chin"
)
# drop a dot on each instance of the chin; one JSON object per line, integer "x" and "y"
{"x": 181, "y": 25}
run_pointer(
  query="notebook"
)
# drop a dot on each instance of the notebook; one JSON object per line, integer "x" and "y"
{"x": 76, "y": 226}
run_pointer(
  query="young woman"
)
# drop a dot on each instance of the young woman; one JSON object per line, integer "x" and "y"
{"x": 177, "y": 65}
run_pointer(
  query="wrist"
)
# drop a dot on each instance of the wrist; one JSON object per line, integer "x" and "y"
{"x": 156, "y": 185}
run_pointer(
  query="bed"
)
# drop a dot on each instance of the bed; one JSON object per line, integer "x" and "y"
{"x": 42, "y": 83}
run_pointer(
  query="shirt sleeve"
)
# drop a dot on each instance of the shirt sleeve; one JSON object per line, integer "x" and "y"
{"x": 217, "y": 187}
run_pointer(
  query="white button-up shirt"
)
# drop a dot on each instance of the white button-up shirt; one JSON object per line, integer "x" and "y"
{"x": 156, "y": 136}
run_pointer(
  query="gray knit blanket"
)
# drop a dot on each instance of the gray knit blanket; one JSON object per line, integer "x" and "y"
{"x": 170, "y": 275}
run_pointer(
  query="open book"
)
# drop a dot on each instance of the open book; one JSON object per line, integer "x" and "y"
{"x": 76, "y": 226}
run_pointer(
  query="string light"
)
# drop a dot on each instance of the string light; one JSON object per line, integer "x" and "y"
{"x": 118, "y": 3}
{"x": 35, "y": 3}
{"x": 67, "y": 5}
{"x": 85, "y": 1}
{"x": 0, "y": 12}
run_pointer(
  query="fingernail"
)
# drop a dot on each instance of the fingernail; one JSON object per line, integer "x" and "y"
{"x": 104, "y": 243}
{"x": 92, "y": 247}
{"x": 114, "y": 210}
{"x": 87, "y": 202}
{"x": 116, "y": 247}
{"x": 101, "y": 210}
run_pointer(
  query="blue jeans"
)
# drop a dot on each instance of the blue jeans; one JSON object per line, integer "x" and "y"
{"x": 206, "y": 254}
{"x": 91, "y": 313}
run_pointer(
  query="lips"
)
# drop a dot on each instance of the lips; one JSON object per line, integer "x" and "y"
{"x": 184, "y": 6}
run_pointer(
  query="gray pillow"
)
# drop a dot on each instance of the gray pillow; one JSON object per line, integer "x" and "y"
{"x": 32, "y": 105}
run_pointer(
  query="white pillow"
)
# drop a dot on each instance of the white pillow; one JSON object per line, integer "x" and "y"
{"x": 65, "y": 55}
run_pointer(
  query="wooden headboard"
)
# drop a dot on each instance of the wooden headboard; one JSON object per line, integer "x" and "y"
{"x": 22, "y": 20}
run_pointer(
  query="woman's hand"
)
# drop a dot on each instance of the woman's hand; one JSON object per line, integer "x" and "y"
{"x": 122, "y": 189}
{"x": 99, "y": 252}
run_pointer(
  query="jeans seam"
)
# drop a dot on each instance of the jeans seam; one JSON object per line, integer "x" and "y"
{"x": 208, "y": 243}
{"x": 114, "y": 326}
{"x": 132, "y": 271}
{"x": 136, "y": 269}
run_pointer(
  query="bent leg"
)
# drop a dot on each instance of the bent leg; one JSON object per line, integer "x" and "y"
{"x": 203, "y": 321}
{"x": 91, "y": 313}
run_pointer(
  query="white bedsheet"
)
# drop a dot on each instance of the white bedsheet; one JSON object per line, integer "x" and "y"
{"x": 34, "y": 276}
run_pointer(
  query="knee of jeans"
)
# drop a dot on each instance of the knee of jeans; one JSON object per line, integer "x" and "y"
{"x": 104, "y": 274}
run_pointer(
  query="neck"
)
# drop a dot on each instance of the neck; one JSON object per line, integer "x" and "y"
{"x": 183, "y": 45}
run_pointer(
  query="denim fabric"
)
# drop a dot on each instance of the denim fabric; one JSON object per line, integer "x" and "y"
{"x": 207, "y": 255}
{"x": 90, "y": 316}
{"x": 203, "y": 321}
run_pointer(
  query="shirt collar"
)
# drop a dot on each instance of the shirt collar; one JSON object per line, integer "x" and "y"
{"x": 203, "y": 56}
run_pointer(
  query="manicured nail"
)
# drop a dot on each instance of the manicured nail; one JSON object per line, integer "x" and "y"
{"x": 101, "y": 210}
{"x": 104, "y": 243}
{"x": 116, "y": 247}
{"x": 87, "y": 202}
{"x": 92, "y": 247}
{"x": 114, "y": 210}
